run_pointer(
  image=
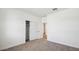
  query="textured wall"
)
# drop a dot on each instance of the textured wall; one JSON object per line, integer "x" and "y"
{"x": 63, "y": 27}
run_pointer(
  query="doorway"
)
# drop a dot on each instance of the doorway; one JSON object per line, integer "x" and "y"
{"x": 27, "y": 31}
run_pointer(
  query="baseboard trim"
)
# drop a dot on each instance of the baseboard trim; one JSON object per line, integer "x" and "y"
{"x": 63, "y": 44}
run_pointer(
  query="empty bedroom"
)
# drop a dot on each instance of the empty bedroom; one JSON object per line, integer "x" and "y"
{"x": 39, "y": 29}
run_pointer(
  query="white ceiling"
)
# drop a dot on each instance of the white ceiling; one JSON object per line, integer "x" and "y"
{"x": 41, "y": 11}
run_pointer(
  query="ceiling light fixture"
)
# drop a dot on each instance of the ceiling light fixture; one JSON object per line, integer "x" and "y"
{"x": 54, "y": 9}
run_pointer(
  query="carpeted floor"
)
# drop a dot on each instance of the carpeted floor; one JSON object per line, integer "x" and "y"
{"x": 41, "y": 45}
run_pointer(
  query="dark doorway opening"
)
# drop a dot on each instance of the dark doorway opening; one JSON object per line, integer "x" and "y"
{"x": 27, "y": 31}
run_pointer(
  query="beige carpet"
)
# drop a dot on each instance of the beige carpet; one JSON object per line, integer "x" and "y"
{"x": 41, "y": 45}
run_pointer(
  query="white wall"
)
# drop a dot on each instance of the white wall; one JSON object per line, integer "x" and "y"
{"x": 12, "y": 27}
{"x": 63, "y": 27}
